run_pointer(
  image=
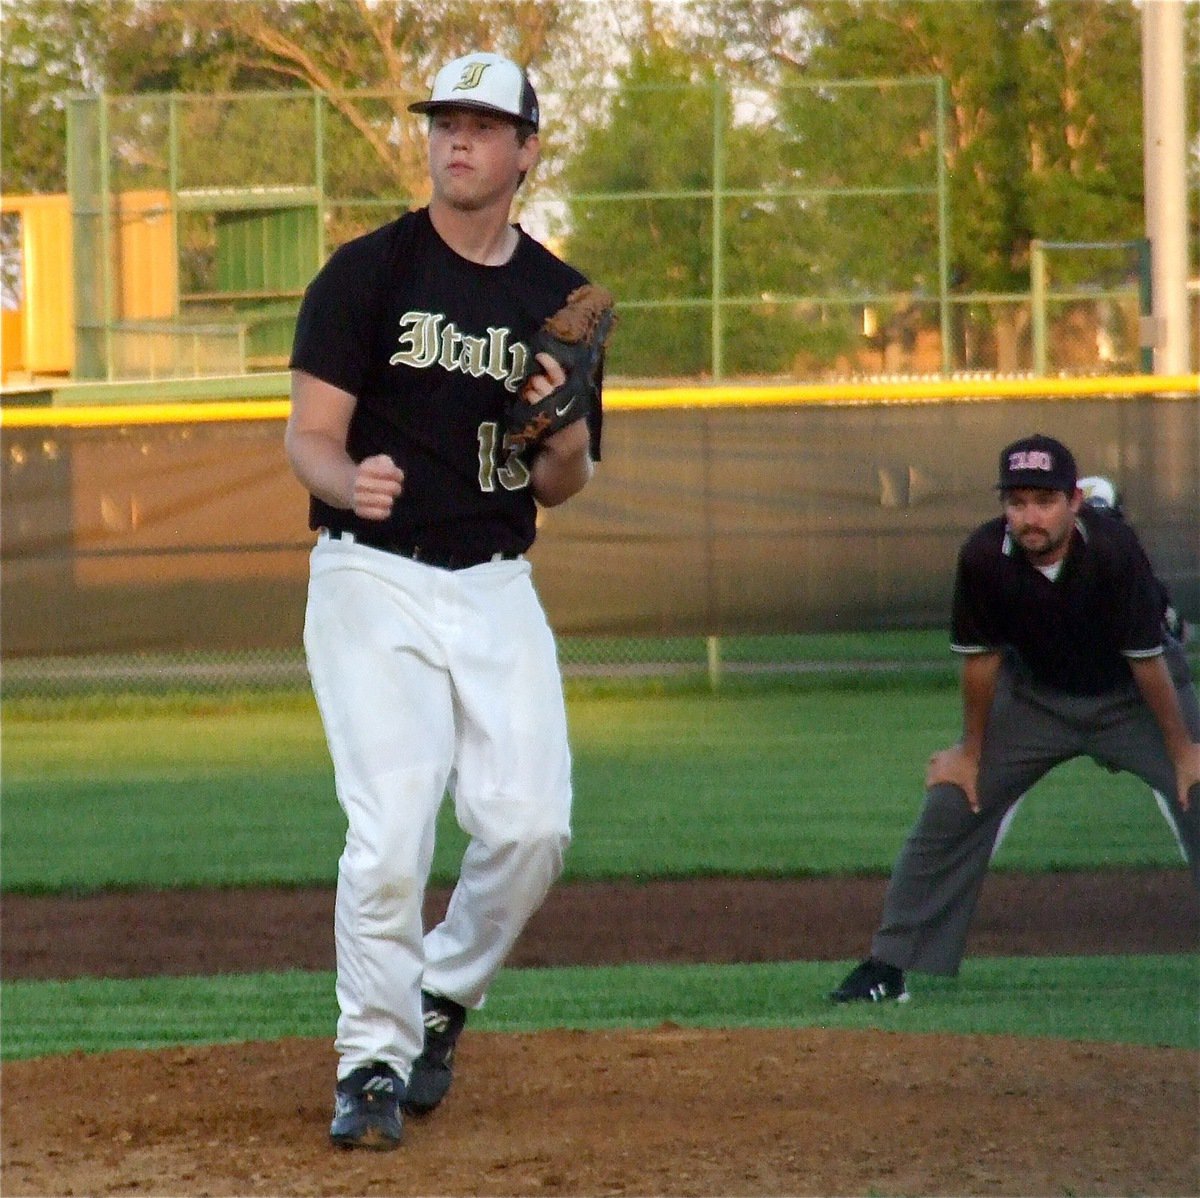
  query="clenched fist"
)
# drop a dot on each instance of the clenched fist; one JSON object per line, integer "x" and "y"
{"x": 378, "y": 482}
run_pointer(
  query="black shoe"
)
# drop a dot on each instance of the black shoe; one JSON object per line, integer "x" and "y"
{"x": 431, "y": 1074}
{"x": 366, "y": 1108}
{"x": 872, "y": 981}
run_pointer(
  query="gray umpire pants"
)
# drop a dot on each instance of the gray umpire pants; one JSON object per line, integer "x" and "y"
{"x": 938, "y": 875}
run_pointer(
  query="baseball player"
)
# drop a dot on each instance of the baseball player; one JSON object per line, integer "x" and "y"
{"x": 431, "y": 659}
{"x": 1059, "y": 621}
{"x": 1100, "y": 494}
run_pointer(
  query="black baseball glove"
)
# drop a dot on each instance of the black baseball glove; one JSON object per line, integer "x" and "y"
{"x": 575, "y": 336}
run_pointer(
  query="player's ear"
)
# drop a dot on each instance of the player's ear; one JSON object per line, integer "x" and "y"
{"x": 1076, "y": 500}
{"x": 527, "y": 153}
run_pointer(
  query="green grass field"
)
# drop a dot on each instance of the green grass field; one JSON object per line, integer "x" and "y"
{"x": 1128, "y": 1000}
{"x": 770, "y": 779}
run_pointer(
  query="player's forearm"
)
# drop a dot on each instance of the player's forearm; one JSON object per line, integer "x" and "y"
{"x": 563, "y": 465}
{"x": 323, "y": 466}
{"x": 315, "y": 439}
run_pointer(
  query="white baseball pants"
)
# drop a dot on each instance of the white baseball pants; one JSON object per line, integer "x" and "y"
{"x": 431, "y": 681}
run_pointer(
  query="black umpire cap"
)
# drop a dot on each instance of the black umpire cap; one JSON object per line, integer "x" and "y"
{"x": 1037, "y": 461}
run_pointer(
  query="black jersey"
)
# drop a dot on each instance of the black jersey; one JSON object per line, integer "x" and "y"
{"x": 1074, "y": 633}
{"x": 431, "y": 345}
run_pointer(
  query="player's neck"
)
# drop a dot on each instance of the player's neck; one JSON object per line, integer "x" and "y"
{"x": 483, "y": 236}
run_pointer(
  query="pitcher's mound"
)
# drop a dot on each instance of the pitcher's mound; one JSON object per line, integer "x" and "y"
{"x": 662, "y": 1112}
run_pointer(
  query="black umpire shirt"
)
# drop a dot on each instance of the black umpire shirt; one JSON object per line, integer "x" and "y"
{"x": 1074, "y": 633}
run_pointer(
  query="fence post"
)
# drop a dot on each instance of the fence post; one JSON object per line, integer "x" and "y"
{"x": 713, "y": 644}
{"x": 1037, "y": 301}
{"x": 106, "y": 237}
{"x": 718, "y": 185}
{"x": 1146, "y": 305}
{"x": 943, "y": 229}
{"x": 173, "y": 189}
{"x": 319, "y": 169}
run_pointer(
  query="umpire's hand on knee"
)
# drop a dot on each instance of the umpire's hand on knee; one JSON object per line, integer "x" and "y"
{"x": 956, "y": 767}
{"x": 1187, "y": 776}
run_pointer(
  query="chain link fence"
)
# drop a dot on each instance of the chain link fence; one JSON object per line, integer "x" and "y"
{"x": 801, "y": 233}
{"x": 706, "y": 661}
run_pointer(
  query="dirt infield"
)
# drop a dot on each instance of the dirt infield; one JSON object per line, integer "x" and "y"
{"x": 184, "y": 932}
{"x": 667, "y": 1111}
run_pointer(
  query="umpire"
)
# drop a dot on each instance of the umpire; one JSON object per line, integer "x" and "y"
{"x": 1059, "y": 621}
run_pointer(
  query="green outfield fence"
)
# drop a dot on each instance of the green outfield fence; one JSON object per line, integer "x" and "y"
{"x": 726, "y": 241}
{"x": 257, "y": 188}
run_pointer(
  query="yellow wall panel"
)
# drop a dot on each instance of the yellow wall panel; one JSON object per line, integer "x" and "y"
{"x": 47, "y": 305}
{"x": 146, "y": 286}
{"x": 12, "y": 343}
{"x": 148, "y": 282}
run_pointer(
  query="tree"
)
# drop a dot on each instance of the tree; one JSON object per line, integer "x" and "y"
{"x": 343, "y": 46}
{"x": 1044, "y": 111}
{"x": 50, "y": 50}
{"x": 1084, "y": 122}
{"x": 201, "y": 47}
{"x": 1043, "y": 130}
{"x": 655, "y": 245}
{"x": 757, "y": 41}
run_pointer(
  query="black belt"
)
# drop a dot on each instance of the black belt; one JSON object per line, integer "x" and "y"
{"x": 419, "y": 553}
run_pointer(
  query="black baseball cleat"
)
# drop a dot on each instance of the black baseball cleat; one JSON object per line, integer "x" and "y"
{"x": 431, "y": 1072}
{"x": 366, "y": 1108}
{"x": 872, "y": 981}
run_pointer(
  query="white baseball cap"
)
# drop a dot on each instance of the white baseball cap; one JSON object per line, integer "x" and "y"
{"x": 1098, "y": 490}
{"x": 488, "y": 82}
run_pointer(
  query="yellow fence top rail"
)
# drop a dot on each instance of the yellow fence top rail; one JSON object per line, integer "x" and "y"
{"x": 906, "y": 391}
{"x": 1181, "y": 386}
{"x": 107, "y": 415}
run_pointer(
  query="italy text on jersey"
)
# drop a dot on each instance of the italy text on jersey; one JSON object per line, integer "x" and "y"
{"x": 424, "y": 342}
